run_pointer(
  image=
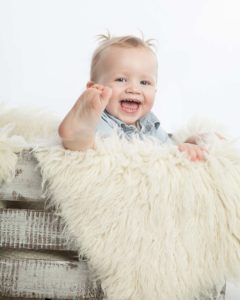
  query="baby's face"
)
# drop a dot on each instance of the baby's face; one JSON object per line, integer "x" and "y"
{"x": 132, "y": 75}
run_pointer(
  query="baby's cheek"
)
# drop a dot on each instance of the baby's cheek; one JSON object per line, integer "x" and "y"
{"x": 112, "y": 106}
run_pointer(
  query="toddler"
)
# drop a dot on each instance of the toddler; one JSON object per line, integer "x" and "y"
{"x": 120, "y": 95}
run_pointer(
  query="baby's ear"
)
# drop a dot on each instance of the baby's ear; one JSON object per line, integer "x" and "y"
{"x": 90, "y": 84}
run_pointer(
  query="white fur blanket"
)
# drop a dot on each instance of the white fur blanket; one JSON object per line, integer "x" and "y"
{"x": 153, "y": 224}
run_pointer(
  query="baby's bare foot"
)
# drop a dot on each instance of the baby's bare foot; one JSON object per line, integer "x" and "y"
{"x": 79, "y": 125}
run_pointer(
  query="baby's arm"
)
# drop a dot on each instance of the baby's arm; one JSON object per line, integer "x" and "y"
{"x": 77, "y": 129}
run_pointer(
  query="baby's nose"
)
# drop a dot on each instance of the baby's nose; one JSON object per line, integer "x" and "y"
{"x": 133, "y": 89}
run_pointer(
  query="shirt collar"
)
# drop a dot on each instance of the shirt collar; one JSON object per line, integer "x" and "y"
{"x": 147, "y": 121}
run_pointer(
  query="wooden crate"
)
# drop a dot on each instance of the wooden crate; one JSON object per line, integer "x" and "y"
{"x": 36, "y": 259}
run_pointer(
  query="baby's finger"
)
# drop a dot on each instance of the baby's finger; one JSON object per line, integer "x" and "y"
{"x": 200, "y": 154}
{"x": 193, "y": 154}
{"x": 197, "y": 153}
{"x": 204, "y": 149}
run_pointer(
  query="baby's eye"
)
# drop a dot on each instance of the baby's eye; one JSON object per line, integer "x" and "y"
{"x": 145, "y": 82}
{"x": 121, "y": 79}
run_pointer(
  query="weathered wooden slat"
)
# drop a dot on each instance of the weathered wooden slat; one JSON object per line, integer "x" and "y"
{"x": 20, "y": 298}
{"x": 39, "y": 279}
{"x": 36, "y": 274}
{"x": 27, "y": 182}
{"x": 14, "y": 298}
{"x": 29, "y": 229}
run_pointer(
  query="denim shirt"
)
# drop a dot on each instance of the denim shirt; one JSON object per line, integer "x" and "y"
{"x": 148, "y": 125}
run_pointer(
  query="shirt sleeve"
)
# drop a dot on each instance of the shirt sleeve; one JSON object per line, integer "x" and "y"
{"x": 163, "y": 136}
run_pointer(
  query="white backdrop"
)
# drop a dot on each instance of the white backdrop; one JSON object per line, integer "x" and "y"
{"x": 46, "y": 46}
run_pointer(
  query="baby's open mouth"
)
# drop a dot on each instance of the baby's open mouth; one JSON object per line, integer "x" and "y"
{"x": 130, "y": 105}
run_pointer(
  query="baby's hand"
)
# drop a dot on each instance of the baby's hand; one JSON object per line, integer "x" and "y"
{"x": 195, "y": 152}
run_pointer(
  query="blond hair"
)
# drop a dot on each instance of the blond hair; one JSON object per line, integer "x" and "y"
{"x": 126, "y": 41}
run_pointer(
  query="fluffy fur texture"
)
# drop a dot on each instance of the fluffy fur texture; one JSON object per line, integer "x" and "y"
{"x": 8, "y": 158}
{"x": 23, "y": 128}
{"x": 153, "y": 224}
{"x": 29, "y": 125}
